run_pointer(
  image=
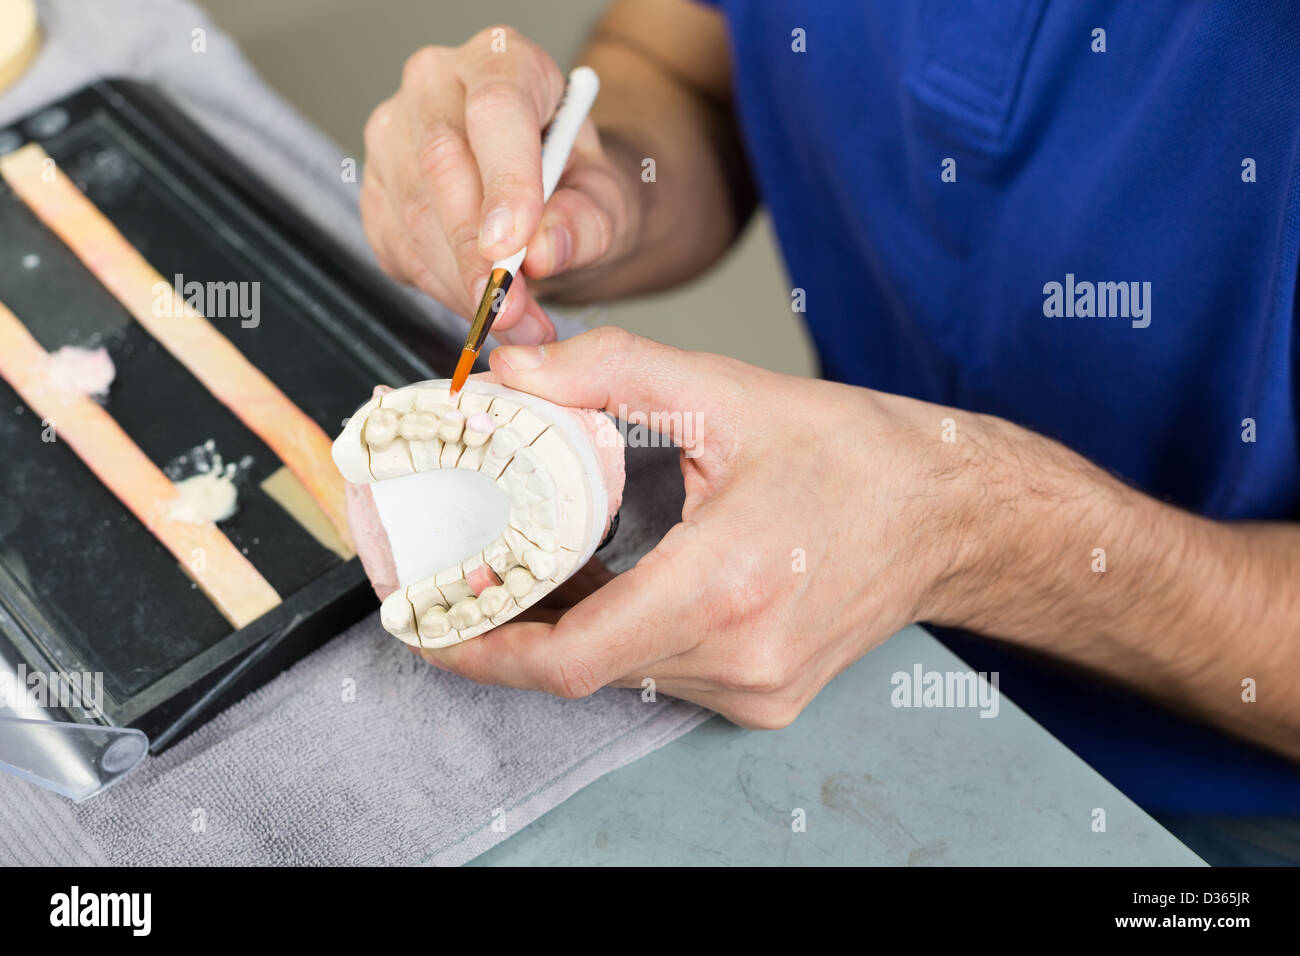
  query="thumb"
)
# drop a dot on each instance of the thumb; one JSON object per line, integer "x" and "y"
{"x": 642, "y": 616}
{"x": 670, "y": 390}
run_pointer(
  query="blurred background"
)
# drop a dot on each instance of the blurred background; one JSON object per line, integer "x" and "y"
{"x": 335, "y": 60}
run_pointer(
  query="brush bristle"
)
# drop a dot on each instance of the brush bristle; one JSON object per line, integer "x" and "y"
{"x": 463, "y": 368}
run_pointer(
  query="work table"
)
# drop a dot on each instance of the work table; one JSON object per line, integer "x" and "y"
{"x": 877, "y": 785}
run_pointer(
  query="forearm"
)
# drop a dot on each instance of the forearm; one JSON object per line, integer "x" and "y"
{"x": 665, "y": 119}
{"x": 1185, "y": 610}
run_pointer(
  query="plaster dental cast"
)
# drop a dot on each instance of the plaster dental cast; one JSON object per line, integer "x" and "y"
{"x": 1102, "y": 511}
{"x": 468, "y": 509}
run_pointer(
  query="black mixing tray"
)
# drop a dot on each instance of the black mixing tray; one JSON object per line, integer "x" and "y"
{"x": 84, "y": 586}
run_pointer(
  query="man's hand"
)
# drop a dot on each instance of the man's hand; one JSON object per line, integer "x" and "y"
{"x": 654, "y": 191}
{"x": 814, "y": 527}
{"x": 453, "y": 179}
{"x": 821, "y": 518}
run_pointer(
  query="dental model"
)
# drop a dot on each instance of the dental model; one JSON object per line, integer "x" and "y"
{"x": 467, "y": 510}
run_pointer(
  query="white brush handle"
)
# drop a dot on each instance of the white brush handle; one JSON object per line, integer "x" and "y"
{"x": 579, "y": 94}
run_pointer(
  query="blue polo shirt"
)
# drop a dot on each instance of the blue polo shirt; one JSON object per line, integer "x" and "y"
{"x": 1084, "y": 218}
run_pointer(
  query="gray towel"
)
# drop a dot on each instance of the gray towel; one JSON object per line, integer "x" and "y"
{"x": 361, "y": 753}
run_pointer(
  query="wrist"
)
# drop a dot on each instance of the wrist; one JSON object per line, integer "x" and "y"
{"x": 1025, "y": 518}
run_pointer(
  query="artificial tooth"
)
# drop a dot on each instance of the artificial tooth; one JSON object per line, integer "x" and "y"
{"x": 544, "y": 514}
{"x": 450, "y": 425}
{"x": 541, "y": 564}
{"x": 525, "y": 461}
{"x": 381, "y": 427}
{"x": 453, "y": 585}
{"x": 478, "y": 429}
{"x": 544, "y": 539}
{"x": 493, "y": 600}
{"x": 519, "y": 581}
{"x": 435, "y": 622}
{"x": 471, "y": 402}
{"x": 562, "y": 465}
{"x": 399, "y": 399}
{"x": 396, "y": 615}
{"x": 419, "y": 426}
{"x": 465, "y": 614}
{"x": 541, "y": 483}
{"x": 502, "y": 411}
{"x": 432, "y": 400}
{"x": 505, "y": 443}
{"x": 512, "y": 484}
{"x": 528, "y": 426}
{"x": 517, "y": 543}
{"x": 423, "y": 594}
{"x": 495, "y": 551}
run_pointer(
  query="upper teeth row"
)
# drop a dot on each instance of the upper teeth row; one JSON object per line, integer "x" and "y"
{"x": 383, "y": 425}
{"x": 434, "y": 433}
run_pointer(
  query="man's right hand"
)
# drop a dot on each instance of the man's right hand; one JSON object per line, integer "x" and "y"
{"x": 453, "y": 180}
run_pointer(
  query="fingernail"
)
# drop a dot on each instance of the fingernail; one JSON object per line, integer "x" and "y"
{"x": 479, "y": 287}
{"x": 520, "y": 358}
{"x": 561, "y": 247}
{"x": 499, "y": 224}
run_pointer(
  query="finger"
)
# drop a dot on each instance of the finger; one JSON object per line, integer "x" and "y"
{"x": 582, "y": 219}
{"x": 376, "y": 202}
{"x": 394, "y": 251}
{"x": 512, "y": 306}
{"x": 435, "y": 178}
{"x": 613, "y": 369}
{"x": 377, "y": 222}
{"x": 510, "y": 94}
{"x": 416, "y": 244}
{"x": 534, "y": 327}
{"x": 748, "y": 710}
{"x": 638, "y": 618}
{"x": 585, "y": 582}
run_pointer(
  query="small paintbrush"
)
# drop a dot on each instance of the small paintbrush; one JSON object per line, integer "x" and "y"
{"x": 579, "y": 94}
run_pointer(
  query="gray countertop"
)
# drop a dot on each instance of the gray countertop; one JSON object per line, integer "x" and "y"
{"x": 876, "y": 784}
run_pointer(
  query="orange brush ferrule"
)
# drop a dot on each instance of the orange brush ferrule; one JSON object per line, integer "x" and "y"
{"x": 494, "y": 295}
